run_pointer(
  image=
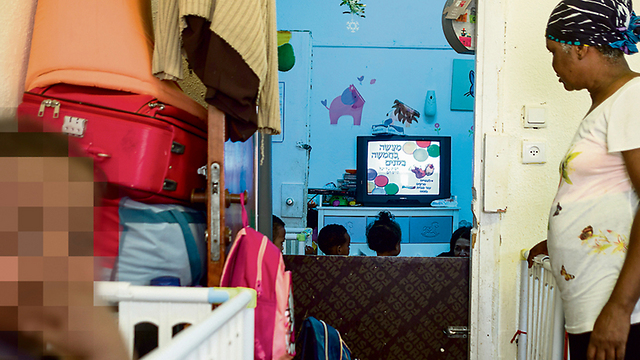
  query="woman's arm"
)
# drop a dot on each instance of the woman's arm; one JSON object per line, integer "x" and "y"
{"x": 610, "y": 332}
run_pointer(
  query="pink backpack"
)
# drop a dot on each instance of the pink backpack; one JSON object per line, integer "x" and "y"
{"x": 255, "y": 262}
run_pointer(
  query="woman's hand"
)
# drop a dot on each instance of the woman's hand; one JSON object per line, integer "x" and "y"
{"x": 540, "y": 248}
{"x": 610, "y": 332}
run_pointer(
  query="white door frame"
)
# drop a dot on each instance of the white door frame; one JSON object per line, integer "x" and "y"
{"x": 485, "y": 272}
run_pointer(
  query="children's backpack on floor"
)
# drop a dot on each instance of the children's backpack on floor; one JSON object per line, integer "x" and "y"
{"x": 322, "y": 342}
{"x": 255, "y": 262}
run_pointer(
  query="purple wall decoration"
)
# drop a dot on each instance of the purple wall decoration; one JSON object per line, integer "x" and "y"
{"x": 349, "y": 103}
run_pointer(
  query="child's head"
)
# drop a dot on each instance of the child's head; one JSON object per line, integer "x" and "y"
{"x": 460, "y": 241}
{"x": 384, "y": 235}
{"x": 278, "y": 232}
{"x": 334, "y": 240}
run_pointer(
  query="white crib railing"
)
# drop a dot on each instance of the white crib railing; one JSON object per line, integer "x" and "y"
{"x": 296, "y": 240}
{"x": 224, "y": 333}
{"x": 541, "y": 329}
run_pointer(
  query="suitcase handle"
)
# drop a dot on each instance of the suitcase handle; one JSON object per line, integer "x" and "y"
{"x": 97, "y": 153}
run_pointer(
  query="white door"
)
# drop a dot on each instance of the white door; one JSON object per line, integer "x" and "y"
{"x": 290, "y": 150}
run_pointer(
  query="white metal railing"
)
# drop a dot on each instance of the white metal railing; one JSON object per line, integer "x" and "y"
{"x": 224, "y": 333}
{"x": 541, "y": 323}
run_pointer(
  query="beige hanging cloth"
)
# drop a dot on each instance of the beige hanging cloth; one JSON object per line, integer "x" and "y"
{"x": 247, "y": 26}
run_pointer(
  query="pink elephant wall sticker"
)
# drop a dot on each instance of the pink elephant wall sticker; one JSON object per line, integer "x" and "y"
{"x": 349, "y": 103}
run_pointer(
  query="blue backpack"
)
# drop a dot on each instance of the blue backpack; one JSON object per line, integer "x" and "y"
{"x": 322, "y": 342}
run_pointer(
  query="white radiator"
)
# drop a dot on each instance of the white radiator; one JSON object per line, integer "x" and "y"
{"x": 224, "y": 333}
{"x": 541, "y": 329}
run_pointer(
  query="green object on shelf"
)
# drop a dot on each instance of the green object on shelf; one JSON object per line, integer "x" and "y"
{"x": 338, "y": 200}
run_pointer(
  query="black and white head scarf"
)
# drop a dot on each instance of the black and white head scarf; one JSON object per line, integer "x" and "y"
{"x": 595, "y": 22}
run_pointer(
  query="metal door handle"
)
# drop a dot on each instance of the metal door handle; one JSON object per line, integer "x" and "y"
{"x": 456, "y": 332}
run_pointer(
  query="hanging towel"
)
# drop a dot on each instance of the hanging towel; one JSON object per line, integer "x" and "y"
{"x": 248, "y": 26}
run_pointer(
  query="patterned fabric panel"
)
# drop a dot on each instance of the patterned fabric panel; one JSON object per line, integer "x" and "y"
{"x": 385, "y": 307}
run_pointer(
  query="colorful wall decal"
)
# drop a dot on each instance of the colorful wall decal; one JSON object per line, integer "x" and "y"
{"x": 355, "y": 7}
{"x": 462, "y": 86}
{"x": 360, "y": 78}
{"x": 286, "y": 56}
{"x": 471, "y": 131}
{"x": 373, "y": 81}
{"x": 353, "y": 25}
{"x": 403, "y": 113}
{"x": 436, "y": 127}
{"x": 349, "y": 103}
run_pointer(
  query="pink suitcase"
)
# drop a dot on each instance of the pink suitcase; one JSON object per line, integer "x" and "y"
{"x": 152, "y": 150}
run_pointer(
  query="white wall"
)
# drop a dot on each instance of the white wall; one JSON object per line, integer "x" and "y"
{"x": 16, "y": 25}
{"x": 514, "y": 51}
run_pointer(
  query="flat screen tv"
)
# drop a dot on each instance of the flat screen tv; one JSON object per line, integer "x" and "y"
{"x": 403, "y": 170}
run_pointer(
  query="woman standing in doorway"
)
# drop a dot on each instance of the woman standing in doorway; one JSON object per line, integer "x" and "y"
{"x": 594, "y": 226}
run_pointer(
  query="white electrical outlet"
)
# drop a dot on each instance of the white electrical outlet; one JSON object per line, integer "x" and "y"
{"x": 534, "y": 152}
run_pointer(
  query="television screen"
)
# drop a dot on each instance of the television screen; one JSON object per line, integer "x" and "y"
{"x": 403, "y": 170}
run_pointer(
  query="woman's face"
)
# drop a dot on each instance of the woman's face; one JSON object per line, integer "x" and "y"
{"x": 564, "y": 64}
{"x": 462, "y": 248}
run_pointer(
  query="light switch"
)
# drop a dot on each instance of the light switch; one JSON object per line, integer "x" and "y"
{"x": 535, "y": 117}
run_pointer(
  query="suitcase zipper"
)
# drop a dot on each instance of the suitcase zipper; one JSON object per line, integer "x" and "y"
{"x": 159, "y": 105}
{"x": 263, "y": 248}
{"x": 56, "y": 111}
{"x": 55, "y": 104}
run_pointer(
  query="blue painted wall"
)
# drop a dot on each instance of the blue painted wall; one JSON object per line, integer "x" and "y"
{"x": 400, "y": 45}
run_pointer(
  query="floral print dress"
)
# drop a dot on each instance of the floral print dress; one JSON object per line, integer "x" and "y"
{"x": 592, "y": 213}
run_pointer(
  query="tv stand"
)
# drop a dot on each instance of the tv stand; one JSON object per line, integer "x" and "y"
{"x": 424, "y": 227}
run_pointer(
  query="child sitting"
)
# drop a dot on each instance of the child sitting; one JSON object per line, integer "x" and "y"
{"x": 384, "y": 235}
{"x": 278, "y": 233}
{"x": 334, "y": 240}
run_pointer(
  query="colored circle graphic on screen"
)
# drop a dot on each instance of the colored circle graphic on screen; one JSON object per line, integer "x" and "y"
{"x": 379, "y": 191}
{"x": 423, "y": 144}
{"x": 381, "y": 180}
{"x": 370, "y": 186}
{"x": 420, "y": 154}
{"x": 409, "y": 147}
{"x": 434, "y": 150}
{"x": 371, "y": 174}
{"x": 391, "y": 189}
